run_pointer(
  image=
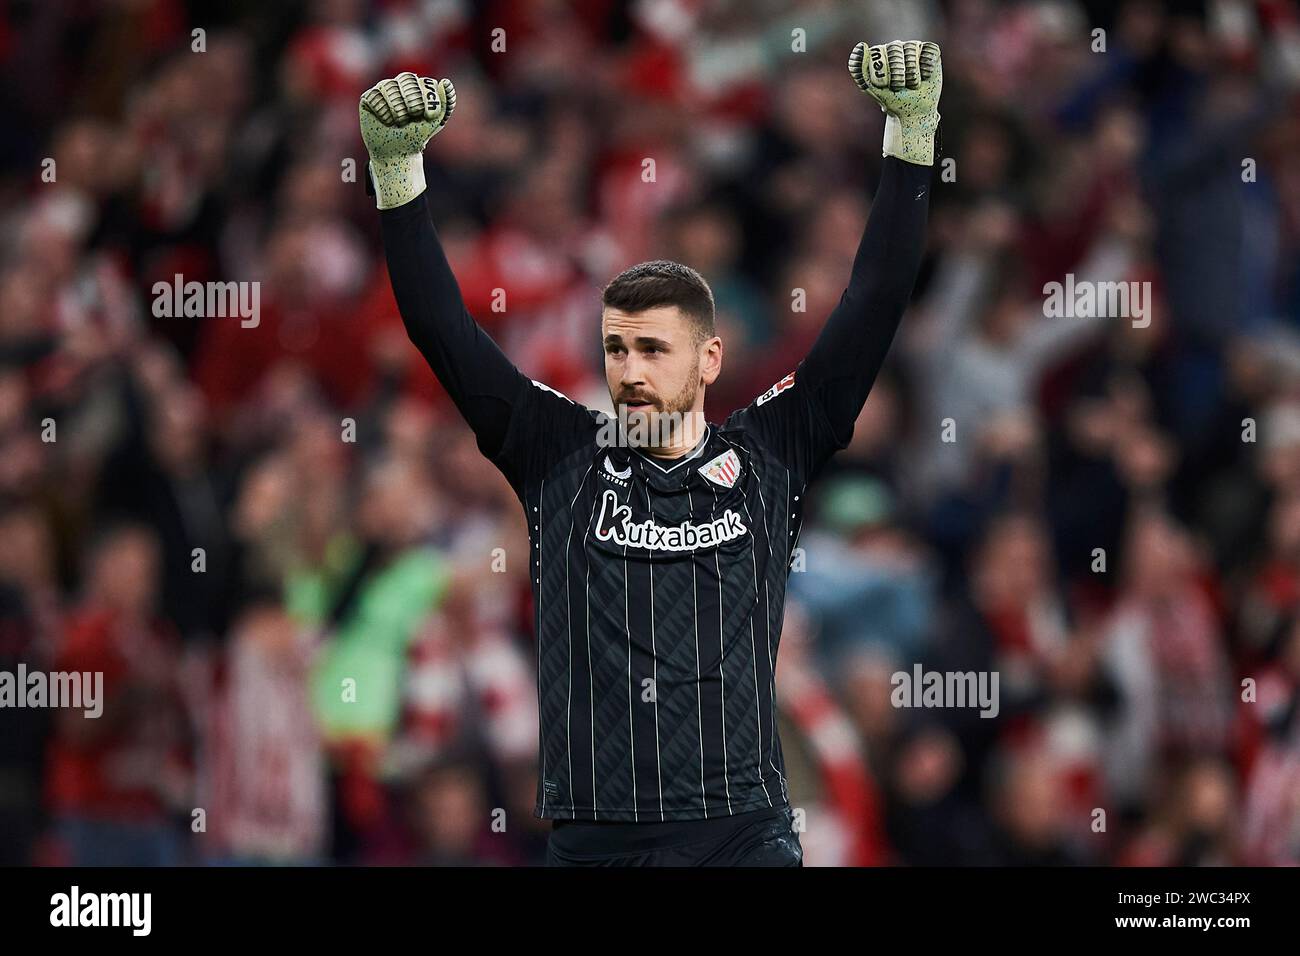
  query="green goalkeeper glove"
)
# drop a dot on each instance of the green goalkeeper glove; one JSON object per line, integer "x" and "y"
{"x": 905, "y": 79}
{"x": 398, "y": 118}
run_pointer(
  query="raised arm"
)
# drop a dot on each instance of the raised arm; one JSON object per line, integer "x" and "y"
{"x": 905, "y": 78}
{"x": 398, "y": 118}
{"x": 522, "y": 426}
{"x": 809, "y": 415}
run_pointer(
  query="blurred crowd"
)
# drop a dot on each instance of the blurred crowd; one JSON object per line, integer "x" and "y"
{"x": 307, "y": 590}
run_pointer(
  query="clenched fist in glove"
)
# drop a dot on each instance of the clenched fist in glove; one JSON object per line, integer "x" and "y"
{"x": 398, "y": 118}
{"x": 905, "y": 78}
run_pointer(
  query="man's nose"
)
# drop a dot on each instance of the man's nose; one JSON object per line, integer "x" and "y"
{"x": 633, "y": 374}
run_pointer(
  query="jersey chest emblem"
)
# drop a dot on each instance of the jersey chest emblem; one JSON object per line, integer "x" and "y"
{"x": 723, "y": 470}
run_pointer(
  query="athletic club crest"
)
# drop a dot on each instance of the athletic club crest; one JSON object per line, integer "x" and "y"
{"x": 723, "y": 470}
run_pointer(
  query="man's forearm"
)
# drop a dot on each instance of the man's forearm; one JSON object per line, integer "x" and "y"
{"x": 851, "y": 348}
{"x": 481, "y": 381}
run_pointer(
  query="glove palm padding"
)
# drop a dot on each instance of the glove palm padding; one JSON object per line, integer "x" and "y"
{"x": 905, "y": 78}
{"x": 398, "y": 118}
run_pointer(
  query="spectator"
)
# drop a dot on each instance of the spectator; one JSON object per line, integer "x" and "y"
{"x": 116, "y": 781}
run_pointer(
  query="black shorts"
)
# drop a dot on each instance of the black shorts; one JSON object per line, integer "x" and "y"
{"x": 759, "y": 838}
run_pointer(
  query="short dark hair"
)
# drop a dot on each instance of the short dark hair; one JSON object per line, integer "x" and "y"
{"x": 663, "y": 282}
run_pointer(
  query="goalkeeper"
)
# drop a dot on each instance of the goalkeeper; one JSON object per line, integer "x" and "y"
{"x": 659, "y": 566}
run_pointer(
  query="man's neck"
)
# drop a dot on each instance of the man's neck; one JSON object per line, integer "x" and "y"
{"x": 688, "y": 437}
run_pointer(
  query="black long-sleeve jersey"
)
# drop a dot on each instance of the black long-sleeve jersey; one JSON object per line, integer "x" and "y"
{"x": 660, "y": 584}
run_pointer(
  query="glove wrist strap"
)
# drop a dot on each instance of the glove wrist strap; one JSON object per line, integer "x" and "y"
{"x": 397, "y": 181}
{"x": 911, "y": 140}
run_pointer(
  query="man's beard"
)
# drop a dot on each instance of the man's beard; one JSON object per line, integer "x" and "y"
{"x": 684, "y": 400}
{"x": 662, "y": 424}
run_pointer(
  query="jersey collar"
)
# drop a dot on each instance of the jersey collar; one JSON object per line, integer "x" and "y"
{"x": 692, "y": 454}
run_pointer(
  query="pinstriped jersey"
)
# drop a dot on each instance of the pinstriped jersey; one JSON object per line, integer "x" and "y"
{"x": 659, "y": 588}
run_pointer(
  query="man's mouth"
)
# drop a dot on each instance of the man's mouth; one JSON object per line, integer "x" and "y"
{"x": 637, "y": 404}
